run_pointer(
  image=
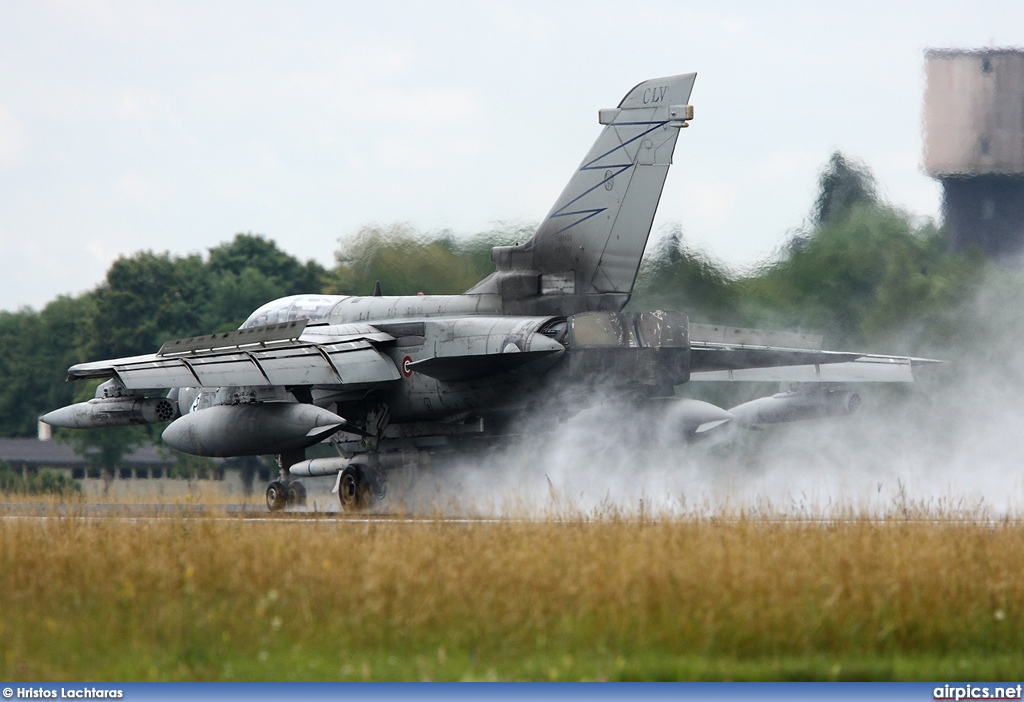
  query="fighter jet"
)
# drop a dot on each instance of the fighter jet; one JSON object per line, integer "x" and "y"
{"x": 387, "y": 380}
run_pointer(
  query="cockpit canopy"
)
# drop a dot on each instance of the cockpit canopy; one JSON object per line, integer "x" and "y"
{"x": 312, "y": 307}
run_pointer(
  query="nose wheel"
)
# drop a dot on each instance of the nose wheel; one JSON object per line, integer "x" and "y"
{"x": 296, "y": 493}
{"x": 284, "y": 492}
{"x": 281, "y": 494}
{"x": 277, "y": 496}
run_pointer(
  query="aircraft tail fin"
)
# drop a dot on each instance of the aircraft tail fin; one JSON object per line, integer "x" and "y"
{"x": 586, "y": 253}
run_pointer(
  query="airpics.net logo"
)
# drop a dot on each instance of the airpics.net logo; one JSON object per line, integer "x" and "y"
{"x": 966, "y": 693}
{"x": 80, "y": 693}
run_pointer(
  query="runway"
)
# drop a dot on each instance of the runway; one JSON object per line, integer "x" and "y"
{"x": 148, "y": 512}
{"x": 254, "y": 512}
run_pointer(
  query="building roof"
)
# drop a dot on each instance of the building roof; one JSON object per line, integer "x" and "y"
{"x": 57, "y": 453}
{"x": 993, "y": 51}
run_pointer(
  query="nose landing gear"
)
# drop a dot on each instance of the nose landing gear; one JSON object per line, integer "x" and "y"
{"x": 281, "y": 494}
{"x": 277, "y": 496}
{"x": 284, "y": 492}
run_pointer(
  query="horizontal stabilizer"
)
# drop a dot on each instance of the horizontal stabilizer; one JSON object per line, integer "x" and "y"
{"x": 713, "y": 358}
{"x": 721, "y": 334}
{"x": 865, "y": 369}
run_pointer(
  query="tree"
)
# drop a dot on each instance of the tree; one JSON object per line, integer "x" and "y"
{"x": 146, "y": 300}
{"x": 254, "y": 252}
{"x": 674, "y": 276}
{"x": 36, "y": 349}
{"x": 863, "y": 275}
{"x": 150, "y": 298}
{"x": 842, "y": 184}
{"x": 248, "y": 272}
{"x": 407, "y": 262}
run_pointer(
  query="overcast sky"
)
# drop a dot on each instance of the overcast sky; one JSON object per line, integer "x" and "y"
{"x": 174, "y": 125}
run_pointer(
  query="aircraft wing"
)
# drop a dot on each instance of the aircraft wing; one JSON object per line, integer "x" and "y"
{"x": 721, "y": 353}
{"x": 726, "y": 362}
{"x": 278, "y": 354}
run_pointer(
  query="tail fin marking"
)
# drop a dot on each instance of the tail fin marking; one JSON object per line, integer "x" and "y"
{"x": 586, "y": 252}
{"x": 609, "y": 177}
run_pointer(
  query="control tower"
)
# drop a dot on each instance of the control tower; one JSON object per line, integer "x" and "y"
{"x": 974, "y": 145}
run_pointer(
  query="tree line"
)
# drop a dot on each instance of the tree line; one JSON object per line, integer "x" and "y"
{"x": 860, "y": 272}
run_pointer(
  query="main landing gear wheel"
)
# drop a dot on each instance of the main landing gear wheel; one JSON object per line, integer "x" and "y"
{"x": 379, "y": 485}
{"x": 353, "y": 489}
{"x": 277, "y": 496}
{"x": 296, "y": 493}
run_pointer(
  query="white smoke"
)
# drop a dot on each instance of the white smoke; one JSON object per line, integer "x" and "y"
{"x": 951, "y": 444}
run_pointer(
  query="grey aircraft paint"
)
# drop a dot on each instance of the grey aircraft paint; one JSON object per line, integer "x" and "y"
{"x": 388, "y": 380}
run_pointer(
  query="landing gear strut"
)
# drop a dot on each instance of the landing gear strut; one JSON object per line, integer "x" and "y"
{"x": 359, "y": 483}
{"x": 283, "y": 492}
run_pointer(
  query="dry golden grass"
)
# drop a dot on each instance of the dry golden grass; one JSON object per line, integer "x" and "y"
{"x": 336, "y": 598}
{"x": 176, "y": 493}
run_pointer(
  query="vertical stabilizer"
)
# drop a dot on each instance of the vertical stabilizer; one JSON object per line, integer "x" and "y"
{"x": 586, "y": 253}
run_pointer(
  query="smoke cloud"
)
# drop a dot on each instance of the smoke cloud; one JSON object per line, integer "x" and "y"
{"x": 951, "y": 444}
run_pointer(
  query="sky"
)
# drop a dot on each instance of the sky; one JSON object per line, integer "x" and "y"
{"x": 172, "y": 126}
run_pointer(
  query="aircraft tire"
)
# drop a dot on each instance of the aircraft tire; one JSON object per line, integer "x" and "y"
{"x": 277, "y": 496}
{"x": 296, "y": 493}
{"x": 353, "y": 489}
{"x": 378, "y": 486}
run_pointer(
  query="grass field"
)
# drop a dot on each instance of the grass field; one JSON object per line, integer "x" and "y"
{"x": 328, "y": 598}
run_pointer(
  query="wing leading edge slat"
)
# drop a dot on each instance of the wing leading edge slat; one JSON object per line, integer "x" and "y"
{"x": 297, "y": 363}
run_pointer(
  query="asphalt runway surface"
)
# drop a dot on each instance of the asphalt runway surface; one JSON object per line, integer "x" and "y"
{"x": 10, "y": 511}
{"x": 148, "y": 512}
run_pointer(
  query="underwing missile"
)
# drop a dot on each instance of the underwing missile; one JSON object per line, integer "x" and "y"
{"x": 795, "y": 406}
{"x": 691, "y": 417}
{"x": 317, "y": 467}
{"x": 113, "y": 412}
{"x": 251, "y": 429}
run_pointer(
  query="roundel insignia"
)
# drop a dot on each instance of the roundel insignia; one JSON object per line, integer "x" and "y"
{"x": 407, "y": 366}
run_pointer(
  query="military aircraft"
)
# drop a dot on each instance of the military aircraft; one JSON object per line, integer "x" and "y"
{"x": 387, "y": 380}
